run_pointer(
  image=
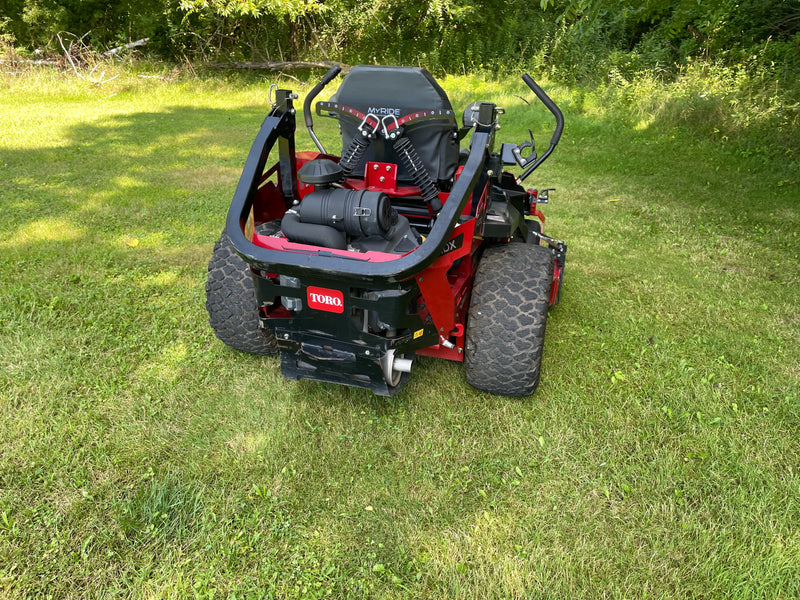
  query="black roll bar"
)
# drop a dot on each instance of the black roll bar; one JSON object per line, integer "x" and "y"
{"x": 279, "y": 128}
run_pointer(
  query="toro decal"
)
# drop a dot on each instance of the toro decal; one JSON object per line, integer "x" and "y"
{"x": 325, "y": 299}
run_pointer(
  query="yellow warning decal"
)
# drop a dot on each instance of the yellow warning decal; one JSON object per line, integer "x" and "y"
{"x": 419, "y": 333}
{"x": 250, "y": 226}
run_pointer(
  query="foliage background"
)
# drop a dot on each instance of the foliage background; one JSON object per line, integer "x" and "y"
{"x": 575, "y": 39}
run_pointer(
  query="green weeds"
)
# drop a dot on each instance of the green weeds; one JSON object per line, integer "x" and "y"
{"x": 139, "y": 457}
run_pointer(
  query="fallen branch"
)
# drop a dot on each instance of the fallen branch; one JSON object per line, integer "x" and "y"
{"x": 100, "y": 80}
{"x": 118, "y": 49}
{"x": 19, "y": 61}
{"x": 68, "y": 53}
{"x": 282, "y": 74}
{"x": 81, "y": 53}
{"x": 700, "y": 36}
{"x": 277, "y": 66}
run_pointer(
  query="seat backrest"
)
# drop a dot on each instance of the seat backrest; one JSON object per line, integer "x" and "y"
{"x": 401, "y": 91}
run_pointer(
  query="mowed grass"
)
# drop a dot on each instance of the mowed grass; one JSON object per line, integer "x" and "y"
{"x": 139, "y": 457}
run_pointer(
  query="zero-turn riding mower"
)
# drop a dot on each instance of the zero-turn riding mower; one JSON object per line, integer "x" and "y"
{"x": 406, "y": 244}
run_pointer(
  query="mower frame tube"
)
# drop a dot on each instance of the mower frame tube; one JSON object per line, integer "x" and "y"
{"x": 279, "y": 127}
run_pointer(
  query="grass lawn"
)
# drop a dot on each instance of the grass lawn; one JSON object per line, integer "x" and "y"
{"x": 139, "y": 457}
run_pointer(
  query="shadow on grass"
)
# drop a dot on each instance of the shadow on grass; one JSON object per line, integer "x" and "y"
{"x": 106, "y": 228}
{"x": 127, "y": 171}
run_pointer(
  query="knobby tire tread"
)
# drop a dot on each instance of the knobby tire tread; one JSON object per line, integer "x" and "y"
{"x": 231, "y": 302}
{"x": 507, "y": 319}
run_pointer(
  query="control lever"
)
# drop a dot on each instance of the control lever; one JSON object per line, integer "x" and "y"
{"x": 326, "y": 79}
{"x": 551, "y": 106}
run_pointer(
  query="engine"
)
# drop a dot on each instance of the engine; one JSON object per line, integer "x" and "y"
{"x": 343, "y": 219}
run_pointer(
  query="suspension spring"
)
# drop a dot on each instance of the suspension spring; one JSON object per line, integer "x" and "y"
{"x": 352, "y": 156}
{"x": 413, "y": 163}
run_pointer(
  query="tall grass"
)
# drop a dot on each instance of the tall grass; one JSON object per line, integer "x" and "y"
{"x": 139, "y": 457}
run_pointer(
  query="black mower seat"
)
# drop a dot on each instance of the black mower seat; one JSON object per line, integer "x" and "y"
{"x": 400, "y": 92}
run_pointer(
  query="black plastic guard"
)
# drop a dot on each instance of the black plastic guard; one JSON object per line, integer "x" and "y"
{"x": 344, "y": 344}
{"x": 334, "y": 361}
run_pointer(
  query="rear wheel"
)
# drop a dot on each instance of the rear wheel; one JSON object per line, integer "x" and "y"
{"x": 507, "y": 319}
{"x": 231, "y": 302}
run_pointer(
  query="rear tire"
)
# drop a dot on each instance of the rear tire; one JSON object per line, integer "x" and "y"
{"x": 231, "y": 302}
{"x": 507, "y": 319}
